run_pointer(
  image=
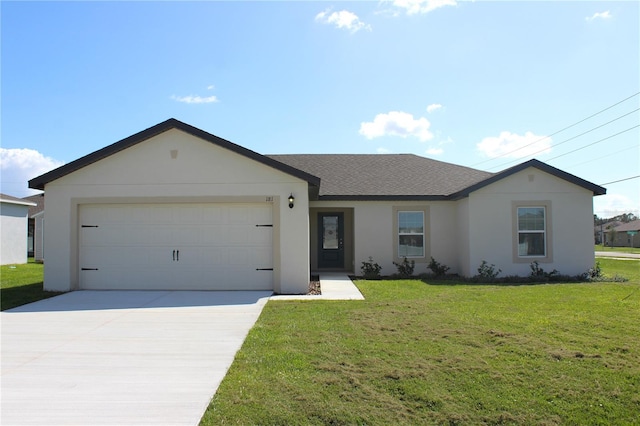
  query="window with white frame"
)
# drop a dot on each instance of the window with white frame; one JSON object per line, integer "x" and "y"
{"x": 410, "y": 234}
{"x": 532, "y": 232}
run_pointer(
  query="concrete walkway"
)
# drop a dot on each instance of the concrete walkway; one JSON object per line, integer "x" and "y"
{"x": 334, "y": 286}
{"x": 121, "y": 357}
{"x": 617, "y": 254}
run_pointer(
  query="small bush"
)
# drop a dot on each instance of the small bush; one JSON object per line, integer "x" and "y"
{"x": 537, "y": 273}
{"x": 405, "y": 268}
{"x": 594, "y": 274}
{"x": 437, "y": 268}
{"x": 370, "y": 270}
{"x": 487, "y": 272}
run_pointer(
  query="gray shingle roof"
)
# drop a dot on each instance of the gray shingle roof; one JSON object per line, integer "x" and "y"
{"x": 379, "y": 176}
{"x": 39, "y": 200}
{"x": 343, "y": 176}
{"x": 634, "y": 225}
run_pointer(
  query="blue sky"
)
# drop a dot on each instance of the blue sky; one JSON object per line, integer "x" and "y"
{"x": 480, "y": 84}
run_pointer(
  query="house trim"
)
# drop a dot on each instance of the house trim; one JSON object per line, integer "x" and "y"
{"x": 426, "y": 228}
{"x": 548, "y": 240}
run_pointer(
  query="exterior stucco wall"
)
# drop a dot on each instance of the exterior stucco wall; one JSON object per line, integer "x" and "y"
{"x": 13, "y": 229}
{"x": 373, "y": 230}
{"x": 462, "y": 227}
{"x": 569, "y": 219}
{"x": 175, "y": 167}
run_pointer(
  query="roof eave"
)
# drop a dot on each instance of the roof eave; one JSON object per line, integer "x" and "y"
{"x": 40, "y": 181}
{"x": 383, "y": 198}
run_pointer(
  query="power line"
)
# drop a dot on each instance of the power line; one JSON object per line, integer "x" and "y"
{"x": 559, "y": 131}
{"x": 621, "y": 180}
{"x": 566, "y": 140}
{"x": 593, "y": 143}
{"x": 635, "y": 146}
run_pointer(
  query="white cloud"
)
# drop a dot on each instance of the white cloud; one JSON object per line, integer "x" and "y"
{"x": 383, "y": 150}
{"x": 512, "y": 145}
{"x": 433, "y": 107}
{"x": 191, "y": 99}
{"x": 599, "y": 15}
{"x": 435, "y": 151}
{"x": 18, "y": 165}
{"x": 211, "y": 87}
{"x": 343, "y": 20}
{"x": 397, "y": 123}
{"x": 613, "y": 204}
{"x": 412, "y": 7}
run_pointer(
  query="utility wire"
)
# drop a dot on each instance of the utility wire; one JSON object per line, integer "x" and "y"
{"x": 561, "y": 130}
{"x": 593, "y": 143}
{"x": 566, "y": 140}
{"x": 621, "y": 180}
{"x": 603, "y": 156}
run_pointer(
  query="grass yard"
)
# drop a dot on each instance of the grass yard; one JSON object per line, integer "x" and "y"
{"x": 440, "y": 353}
{"x": 21, "y": 284}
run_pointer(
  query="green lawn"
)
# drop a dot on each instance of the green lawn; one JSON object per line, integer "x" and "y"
{"x": 600, "y": 247}
{"x": 420, "y": 353}
{"x": 21, "y": 284}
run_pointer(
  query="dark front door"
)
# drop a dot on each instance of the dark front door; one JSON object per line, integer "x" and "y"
{"x": 331, "y": 240}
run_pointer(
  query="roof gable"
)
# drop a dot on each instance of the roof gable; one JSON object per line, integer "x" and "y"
{"x": 40, "y": 181}
{"x": 596, "y": 189}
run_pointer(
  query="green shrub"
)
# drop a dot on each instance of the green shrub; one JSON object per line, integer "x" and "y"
{"x": 537, "y": 273}
{"x": 487, "y": 272}
{"x": 405, "y": 268}
{"x": 370, "y": 270}
{"x": 437, "y": 268}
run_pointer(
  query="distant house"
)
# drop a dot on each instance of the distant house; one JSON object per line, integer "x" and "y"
{"x": 600, "y": 231}
{"x": 176, "y": 208}
{"x": 626, "y": 235}
{"x": 14, "y": 213}
{"x": 35, "y": 242}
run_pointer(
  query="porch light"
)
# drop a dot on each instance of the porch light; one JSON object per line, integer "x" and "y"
{"x": 291, "y": 199}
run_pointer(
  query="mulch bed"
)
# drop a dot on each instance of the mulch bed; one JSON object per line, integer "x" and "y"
{"x": 314, "y": 286}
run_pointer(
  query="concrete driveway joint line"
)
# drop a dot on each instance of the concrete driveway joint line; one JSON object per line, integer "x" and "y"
{"x": 121, "y": 357}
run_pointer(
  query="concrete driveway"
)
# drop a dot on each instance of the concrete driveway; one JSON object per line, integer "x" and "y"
{"x": 121, "y": 357}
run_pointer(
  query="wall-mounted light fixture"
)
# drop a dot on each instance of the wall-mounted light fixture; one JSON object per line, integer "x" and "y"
{"x": 291, "y": 200}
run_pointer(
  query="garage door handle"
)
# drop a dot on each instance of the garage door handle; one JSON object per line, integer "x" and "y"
{"x": 178, "y": 255}
{"x": 264, "y": 269}
{"x": 174, "y": 256}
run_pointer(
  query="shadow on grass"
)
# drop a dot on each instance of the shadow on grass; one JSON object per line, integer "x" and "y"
{"x": 21, "y": 295}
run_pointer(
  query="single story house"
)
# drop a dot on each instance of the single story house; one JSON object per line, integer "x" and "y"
{"x": 175, "y": 207}
{"x": 625, "y": 235}
{"x": 13, "y": 229}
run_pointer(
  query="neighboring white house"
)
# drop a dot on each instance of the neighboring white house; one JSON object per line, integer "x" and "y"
{"x": 13, "y": 229}
{"x": 175, "y": 207}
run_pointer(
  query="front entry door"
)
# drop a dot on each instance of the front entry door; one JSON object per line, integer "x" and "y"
{"x": 331, "y": 240}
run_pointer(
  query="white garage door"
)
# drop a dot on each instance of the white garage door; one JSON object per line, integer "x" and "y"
{"x": 176, "y": 246}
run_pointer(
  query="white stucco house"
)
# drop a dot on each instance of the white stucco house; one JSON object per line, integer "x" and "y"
{"x": 14, "y": 213}
{"x": 175, "y": 207}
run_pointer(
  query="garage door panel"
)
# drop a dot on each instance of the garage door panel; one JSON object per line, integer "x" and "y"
{"x": 181, "y": 247}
